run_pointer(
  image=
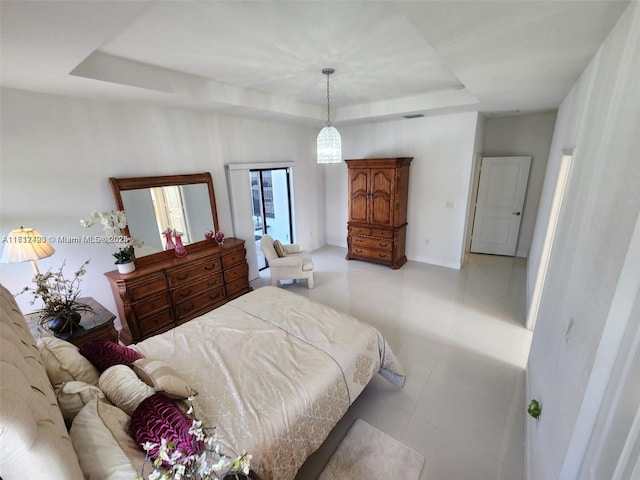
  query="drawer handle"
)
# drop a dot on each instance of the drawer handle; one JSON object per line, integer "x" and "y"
{"x": 210, "y": 267}
{"x": 214, "y": 297}
{"x": 381, "y": 255}
{"x": 383, "y": 245}
{"x": 358, "y": 250}
{"x": 186, "y": 294}
{"x": 182, "y": 277}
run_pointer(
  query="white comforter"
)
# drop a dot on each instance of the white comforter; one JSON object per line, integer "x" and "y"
{"x": 275, "y": 372}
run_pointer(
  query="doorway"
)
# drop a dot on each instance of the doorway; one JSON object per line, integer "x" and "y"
{"x": 499, "y": 204}
{"x": 271, "y": 205}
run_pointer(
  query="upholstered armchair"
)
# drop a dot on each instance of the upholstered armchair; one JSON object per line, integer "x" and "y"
{"x": 291, "y": 263}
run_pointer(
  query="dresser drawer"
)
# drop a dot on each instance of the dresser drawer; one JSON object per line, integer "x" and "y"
{"x": 236, "y": 272}
{"x": 151, "y": 305}
{"x": 150, "y": 286}
{"x": 159, "y": 321}
{"x": 237, "y": 285}
{"x": 180, "y": 276}
{"x": 359, "y": 231}
{"x": 194, "y": 305}
{"x": 370, "y": 254}
{"x": 233, "y": 258}
{"x": 376, "y": 232}
{"x": 182, "y": 293}
{"x": 370, "y": 242}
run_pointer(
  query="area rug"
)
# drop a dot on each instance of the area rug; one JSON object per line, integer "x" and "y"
{"x": 366, "y": 453}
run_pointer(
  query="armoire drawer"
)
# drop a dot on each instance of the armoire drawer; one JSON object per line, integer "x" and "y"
{"x": 377, "y": 232}
{"x": 359, "y": 230}
{"x": 371, "y": 254}
{"x": 370, "y": 242}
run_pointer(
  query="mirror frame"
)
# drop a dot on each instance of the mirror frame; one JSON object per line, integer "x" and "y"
{"x": 135, "y": 183}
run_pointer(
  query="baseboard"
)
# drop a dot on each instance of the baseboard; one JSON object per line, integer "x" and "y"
{"x": 527, "y": 428}
{"x": 435, "y": 261}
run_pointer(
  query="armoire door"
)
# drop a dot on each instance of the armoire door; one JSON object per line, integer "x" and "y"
{"x": 359, "y": 195}
{"x": 381, "y": 193}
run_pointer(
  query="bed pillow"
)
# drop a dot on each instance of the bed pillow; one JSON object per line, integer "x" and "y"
{"x": 104, "y": 353}
{"x": 64, "y": 363}
{"x": 100, "y": 437}
{"x": 157, "y": 418}
{"x": 164, "y": 379}
{"x": 123, "y": 388}
{"x": 277, "y": 245}
{"x": 73, "y": 396}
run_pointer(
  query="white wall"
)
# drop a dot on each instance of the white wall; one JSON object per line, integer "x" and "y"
{"x": 523, "y": 135}
{"x": 443, "y": 150}
{"x": 568, "y": 372}
{"x": 58, "y": 152}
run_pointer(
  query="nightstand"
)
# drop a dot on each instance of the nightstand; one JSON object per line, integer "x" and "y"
{"x": 98, "y": 323}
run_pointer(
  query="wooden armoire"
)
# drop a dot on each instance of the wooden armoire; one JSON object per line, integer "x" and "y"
{"x": 378, "y": 193}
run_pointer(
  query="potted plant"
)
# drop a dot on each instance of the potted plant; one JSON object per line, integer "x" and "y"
{"x": 112, "y": 224}
{"x": 61, "y": 312}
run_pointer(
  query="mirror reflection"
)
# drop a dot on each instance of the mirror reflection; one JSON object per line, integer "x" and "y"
{"x": 151, "y": 211}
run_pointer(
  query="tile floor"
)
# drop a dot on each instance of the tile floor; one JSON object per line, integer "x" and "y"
{"x": 460, "y": 336}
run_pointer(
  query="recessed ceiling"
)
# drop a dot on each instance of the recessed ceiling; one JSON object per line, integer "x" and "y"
{"x": 264, "y": 59}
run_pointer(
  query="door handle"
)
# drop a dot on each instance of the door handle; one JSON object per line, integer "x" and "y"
{"x": 515, "y": 213}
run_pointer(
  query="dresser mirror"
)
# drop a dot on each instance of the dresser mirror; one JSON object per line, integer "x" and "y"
{"x": 185, "y": 203}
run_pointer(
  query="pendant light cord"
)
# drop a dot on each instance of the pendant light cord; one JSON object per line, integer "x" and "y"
{"x": 328, "y": 103}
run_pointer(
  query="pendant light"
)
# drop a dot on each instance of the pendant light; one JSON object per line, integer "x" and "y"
{"x": 329, "y": 140}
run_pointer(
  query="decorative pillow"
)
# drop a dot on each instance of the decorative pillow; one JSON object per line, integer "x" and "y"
{"x": 73, "y": 396}
{"x": 106, "y": 451}
{"x": 123, "y": 388}
{"x": 158, "y": 418}
{"x": 104, "y": 353}
{"x": 164, "y": 379}
{"x": 64, "y": 363}
{"x": 279, "y": 248}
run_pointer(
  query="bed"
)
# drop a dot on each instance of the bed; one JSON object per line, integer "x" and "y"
{"x": 274, "y": 371}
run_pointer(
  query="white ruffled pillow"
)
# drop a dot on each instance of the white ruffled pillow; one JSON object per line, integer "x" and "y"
{"x": 123, "y": 388}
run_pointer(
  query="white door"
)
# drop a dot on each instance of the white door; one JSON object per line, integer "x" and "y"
{"x": 501, "y": 193}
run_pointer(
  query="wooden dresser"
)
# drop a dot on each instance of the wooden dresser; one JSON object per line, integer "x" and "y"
{"x": 173, "y": 290}
{"x": 378, "y": 193}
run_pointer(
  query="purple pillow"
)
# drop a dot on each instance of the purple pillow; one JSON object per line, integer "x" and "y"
{"x": 158, "y": 418}
{"x": 104, "y": 353}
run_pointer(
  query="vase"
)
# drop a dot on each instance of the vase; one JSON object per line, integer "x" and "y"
{"x": 65, "y": 324}
{"x": 126, "y": 267}
{"x": 179, "y": 249}
{"x": 169, "y": 244}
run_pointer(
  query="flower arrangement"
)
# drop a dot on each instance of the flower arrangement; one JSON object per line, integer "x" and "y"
{"x": 61, "y": 310}
{"x": 206, "y": 464}
{"x": 112, "y": 224}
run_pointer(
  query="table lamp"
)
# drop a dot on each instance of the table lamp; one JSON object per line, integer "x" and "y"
{"x": 26, "y": 244}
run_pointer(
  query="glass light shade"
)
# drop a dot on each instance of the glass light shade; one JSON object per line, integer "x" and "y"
{"x": 329, "y": 146}
{"x": 25, "y": 244}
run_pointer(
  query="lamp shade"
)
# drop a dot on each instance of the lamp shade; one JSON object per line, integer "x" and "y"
{"x": 329, "y": 145}
{"x": 25, "y": 244}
